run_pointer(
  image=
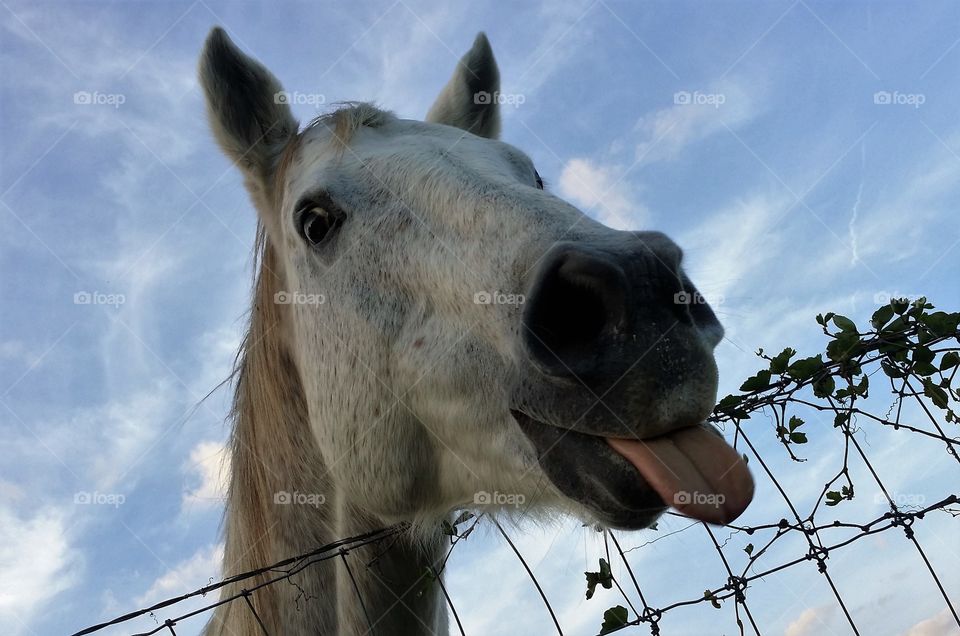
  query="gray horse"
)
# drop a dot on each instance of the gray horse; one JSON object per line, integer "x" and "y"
{"x": 431, "y": 330}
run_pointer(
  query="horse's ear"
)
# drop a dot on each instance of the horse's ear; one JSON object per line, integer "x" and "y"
{"x": 470, "y": 99}
{"x": 247, "y": 107}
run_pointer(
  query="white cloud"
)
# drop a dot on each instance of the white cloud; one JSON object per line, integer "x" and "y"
{"x": 669, "y": 131}
{"x": 941, "y": 624}
{"x": 186, "y": 576}
{"x": 210, "y": 463}
{"x": 811, "y": 621}
{"x": 15, "y": 350}
{"x": 36, "y": 564}
{"x": 114, "y": 435}
{"x": 602, "y": 190}
{"x": 734, "y": 244}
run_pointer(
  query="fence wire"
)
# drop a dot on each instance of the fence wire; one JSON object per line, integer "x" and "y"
{"x": 909, "y": 348}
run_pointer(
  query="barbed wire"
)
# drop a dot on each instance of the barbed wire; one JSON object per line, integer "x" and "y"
{"x": 906, "y": 342}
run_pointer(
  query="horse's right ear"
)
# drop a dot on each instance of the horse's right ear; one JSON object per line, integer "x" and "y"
{"x": 470, "y": 99}
{"x": 247, "y": 107}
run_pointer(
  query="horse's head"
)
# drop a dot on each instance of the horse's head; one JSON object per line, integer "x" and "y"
{"x": 462, "y": 335}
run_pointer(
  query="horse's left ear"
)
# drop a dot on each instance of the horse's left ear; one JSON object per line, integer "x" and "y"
{"x": 469, "y": 100}
{"x": 247, "y": 108}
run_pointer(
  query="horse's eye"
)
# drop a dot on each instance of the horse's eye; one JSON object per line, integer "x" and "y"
{"x": 319, "y": 224}
{"x": 539, "y": 180}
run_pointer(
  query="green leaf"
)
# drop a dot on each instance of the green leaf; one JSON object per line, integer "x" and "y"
{"x": 798, "y": 438}
{"x": 863, "y": 385}
{"x": 937, "y": 395}
{"x": 464, "y": 516}
{"x": 749, "y": 549}
{"x": 833, "y": 498}
{"x": 613, "y": 618}
{"x": 779, "y": 362}
{"x": 604, "y": 578}
{"x": 891, "y": 369}
{"x": 899, "y": 305}
{"x": 824, "y": 386}
{"x": 895, "y": 327}
{"x": 806, "y": 368}
{"x": 924, "y": 368}
{"x": 729, "y": 406}
{"x": 845, "y": 324}
{"x": 949, "y": 360}
{"x": 923, "y": 354}
{"x": 707, "y": 594}
{"x": 941, "y": 323}
{"x": 843, "y": 346}
{"x": 794, "y": 423}
{"x": 881, "y": 316}
{"x": 757, "y": 382}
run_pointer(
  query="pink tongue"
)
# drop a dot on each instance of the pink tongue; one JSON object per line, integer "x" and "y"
{"x": 694, "y": 471}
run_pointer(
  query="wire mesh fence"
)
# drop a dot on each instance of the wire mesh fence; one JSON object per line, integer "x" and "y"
{"x": 909, "y": 356}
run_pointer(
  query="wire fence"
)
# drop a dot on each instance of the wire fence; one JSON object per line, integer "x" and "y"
{"x": 910, "y": 349}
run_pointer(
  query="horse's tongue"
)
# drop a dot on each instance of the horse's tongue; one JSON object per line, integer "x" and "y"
{"x": 694, "y": 471}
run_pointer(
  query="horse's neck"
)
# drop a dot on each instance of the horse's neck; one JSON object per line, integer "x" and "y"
{"x": 283, "y": 503}
{"x": 391, "y": 591}
{"x": 381, "y": 588}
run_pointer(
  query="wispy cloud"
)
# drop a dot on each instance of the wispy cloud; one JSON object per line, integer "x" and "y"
{"x": 600, "y": 190}
{"x": 209, "y": 464}
{"x": 37, "y": 562}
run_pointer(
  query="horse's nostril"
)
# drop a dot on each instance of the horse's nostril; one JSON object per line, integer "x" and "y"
{"x": 579, "y": 299}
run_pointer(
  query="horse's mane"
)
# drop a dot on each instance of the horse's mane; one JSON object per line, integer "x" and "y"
{"x": 269, "y": 417}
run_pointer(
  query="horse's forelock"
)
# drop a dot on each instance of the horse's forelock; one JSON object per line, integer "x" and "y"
{"x": 342, "y": 124}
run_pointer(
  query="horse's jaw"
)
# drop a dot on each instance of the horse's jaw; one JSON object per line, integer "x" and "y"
{"x": 629, "y": 483}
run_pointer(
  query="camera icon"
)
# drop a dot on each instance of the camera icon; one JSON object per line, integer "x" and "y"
{"x": 482, "y": 97}
{"x": 682, "y": 98}
{"x": 682, "y": 298}
{"x": 882, "y": 298}
{"x": 882, "y": 97}
{"x": 82, "y": 97}
{"x": 281, "y": 97}
{"x": 682, "y": 498}
{"x": 482, "y": 498}
{"x": 282, "y": 298}
{"x": 82, "y": 497}
{"x": 482, "y": 298}
{"x": 282, "y": 497}
{"x": 82, "y": 298}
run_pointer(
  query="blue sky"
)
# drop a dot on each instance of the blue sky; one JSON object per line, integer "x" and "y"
{"x": 791, "y": 189}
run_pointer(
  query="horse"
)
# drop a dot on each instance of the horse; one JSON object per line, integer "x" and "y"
{"x": 432, "y": 330}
